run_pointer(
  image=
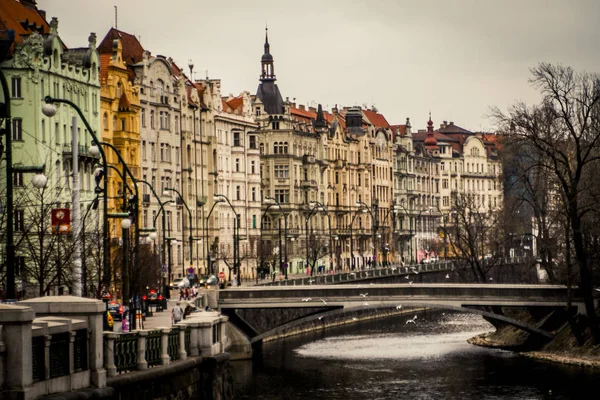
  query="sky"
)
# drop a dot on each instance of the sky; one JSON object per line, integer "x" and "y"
{"x": 453, "y": 58}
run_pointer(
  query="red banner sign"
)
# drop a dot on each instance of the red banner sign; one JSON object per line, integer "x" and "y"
{"x": 61, "y": 220}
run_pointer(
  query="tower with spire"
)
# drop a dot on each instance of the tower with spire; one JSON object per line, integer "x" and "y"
{"x": 267, "y": 91}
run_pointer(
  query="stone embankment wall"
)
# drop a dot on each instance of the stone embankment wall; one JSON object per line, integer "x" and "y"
{"x": 195, "y": 378}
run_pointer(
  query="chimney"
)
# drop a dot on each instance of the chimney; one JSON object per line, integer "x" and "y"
{"x": 301, "y": 106}
{"x": 312, "y": 109}
{"x": 444, "y": 124}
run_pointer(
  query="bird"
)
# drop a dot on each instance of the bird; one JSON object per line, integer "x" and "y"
{"x": 398, "y": 307}
{"x": 324, "y": 302}
{"x": 411, "y": 321}
{"x": 394, "y": 269}
{"x": 320, "y": 318}
{"x": 311, "y": 281}
{"x": 406, "y": 277}
{"x": 410, "y": 282}
{"x": 491, "y": 279}
{"x": 447, "y": 276}
{"x": 352, "y": 274}
{"x": 307, "y": 299}
{"x": 363, "y": 294}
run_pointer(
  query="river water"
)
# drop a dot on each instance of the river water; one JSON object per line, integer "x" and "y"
{"x": 392, "y": 359}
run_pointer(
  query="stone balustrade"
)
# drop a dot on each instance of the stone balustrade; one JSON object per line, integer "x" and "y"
{"x": 56, "y": 344}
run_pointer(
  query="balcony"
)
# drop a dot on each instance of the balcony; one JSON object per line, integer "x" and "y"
{"x": 146, "y": 199}
{"x": 83, "y": 151}
{"x": 308, "y": 184}
{"x": 308, "y": 159}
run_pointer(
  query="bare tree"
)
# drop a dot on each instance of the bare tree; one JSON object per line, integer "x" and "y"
{"x": 565, "y": 129}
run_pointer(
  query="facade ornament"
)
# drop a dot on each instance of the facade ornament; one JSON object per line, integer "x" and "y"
{"x": 30, "y": 55}
{"x": 92, "y": 41}
{"x": 54, "y": 26}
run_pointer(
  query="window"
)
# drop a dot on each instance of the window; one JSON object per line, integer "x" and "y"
{"x": 475, "y": 152}
{"x": 122, "y": 124}
{"x": 237, "y": 165}
{"x": 253, "y": 221}
{"x": 281, "y": 171}
{"x": 238, "y": 193}
{"x": 262, "y": 148}
{"x": 252, "y": 167}
{"x": 17, "y": 129}
{"x": 252, "y": 140}
{"x": 119, "y": 90}
{"x": 152, "y": 119}
{"x": 236, "y": 139}
{"x": 253, "y": 194}
{"x": 18, "y": 179}
{"x": 276, "y": 125}
{"x": 282, "y": 195}
{"x": 19, "y": 219}
{"x": 114, "y": 123}
{"x": 444, "y": 183}
{"x": 144, "y": 151}
{"x": 258, "y": 111}
{"x": 105, "y": 121}
{"x": 143, "y": 117}
{"x": 16, "y": 87}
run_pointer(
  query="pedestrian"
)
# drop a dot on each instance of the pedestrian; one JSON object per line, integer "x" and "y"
{"x": 194, "y": 291}
{"x": 176, "y": 314}
{"x": 181, "y": 294}
{"x": 187, "y": 294}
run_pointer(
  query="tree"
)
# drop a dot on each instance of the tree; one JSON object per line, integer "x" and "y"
{"x": 565, "y": 129}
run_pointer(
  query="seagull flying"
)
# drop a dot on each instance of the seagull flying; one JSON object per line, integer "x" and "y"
{"x": 364, "y": 294}
{"x": 307, "y": 299}
{"x": 411, "y": 321}
{"x": 398, "y": 307}
{"x": 447, "y": 276}
{"x": 324, "y": 302}
{"x": 320, "y": 318}
{"x": 410, "y": 282}
{"x": 311, "y": 281}
{"x": 406, "y": 277}
{"x": 352, "y": 274}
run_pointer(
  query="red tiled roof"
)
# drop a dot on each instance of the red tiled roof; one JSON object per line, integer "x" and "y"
{"x": 104, "y": 63}
{"x": 22, "y": 19}
{"x": 303, "y": 113}
{"x": 133, "y": 52}
{"x": 376, "y": 119}
{"x": 401, "y": 129}
{"x": 235, "y": 103}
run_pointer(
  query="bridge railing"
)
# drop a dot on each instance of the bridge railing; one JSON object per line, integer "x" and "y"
{"x": 361, "y": 274}
{"x": 201, "y": 334}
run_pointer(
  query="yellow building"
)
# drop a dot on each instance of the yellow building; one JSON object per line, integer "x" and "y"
{"x": 120, "y": 116}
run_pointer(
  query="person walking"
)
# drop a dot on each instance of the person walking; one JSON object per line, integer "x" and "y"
{"x": 181, "y": 294}
{"x": 187, "y": 294}
{"x": 176, "y": 314}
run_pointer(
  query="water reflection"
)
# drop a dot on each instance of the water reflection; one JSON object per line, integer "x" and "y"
{"x": 390, "y": 359}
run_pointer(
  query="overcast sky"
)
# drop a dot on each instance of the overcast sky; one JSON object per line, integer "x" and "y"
{"x": 455, "y": 58}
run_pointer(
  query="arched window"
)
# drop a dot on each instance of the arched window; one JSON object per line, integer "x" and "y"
{"x": 285, "y": 148}
{"x": 114, "y": 123}
{"x": 119, "y": 90}
{"x": 275, "y": 147}
{"x": 105, "y": 121}
{"x": 475, "y": 152}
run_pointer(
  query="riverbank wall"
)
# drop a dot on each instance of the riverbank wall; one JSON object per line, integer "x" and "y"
{"x": 563, "y": 349}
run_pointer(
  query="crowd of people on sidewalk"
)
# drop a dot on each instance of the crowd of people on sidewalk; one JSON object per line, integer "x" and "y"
{"x": 187, "y": 294}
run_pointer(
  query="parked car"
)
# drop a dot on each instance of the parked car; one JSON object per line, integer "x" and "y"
{"x": 175, "y": 283}
{"x": 116, "y": 310}
{"x": 153, "y": 297}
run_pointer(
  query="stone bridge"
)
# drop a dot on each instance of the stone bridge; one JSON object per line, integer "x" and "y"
{"x": 259, "y": 312}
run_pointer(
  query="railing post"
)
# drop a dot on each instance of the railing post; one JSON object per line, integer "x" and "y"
{"x": 47, "y": 343}
{"x": 72, "y": 351}
{"x": 182, "y": 352}
{"x": 223, "y": 336}
{"x": 16, "y": 335}
{"x": 164, "y": 347}
{"x": 141, "y": 355}
{"x": 109, "y": 354}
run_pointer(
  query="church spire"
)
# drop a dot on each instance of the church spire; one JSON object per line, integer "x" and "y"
{"x": 268, "y": 70}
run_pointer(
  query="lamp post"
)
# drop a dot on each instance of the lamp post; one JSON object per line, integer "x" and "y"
{"x": 311, "y": 211}
{"x": 49, "y": 110}
{"x": 351, "y": 239}
{"x": 166, "y": 193}
{"x": 384, "y": 246}
{"x": 39, "y": 182}
{"x": 282, "y": 264}
{"x": 321, "y": 207}
{"x": 270, "y": 203}
{"x": 236, "y": 238}
{"x": 162, "y": 212}
{"x": 374, "y": 224}
{"x": 208, "y": 263}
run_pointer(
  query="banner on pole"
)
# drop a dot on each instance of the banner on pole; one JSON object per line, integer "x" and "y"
{"x": 61, "y": 220}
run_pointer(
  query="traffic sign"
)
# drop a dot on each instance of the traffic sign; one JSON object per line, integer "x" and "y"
{"x": 190, "y": 270}
{"x": 163, "y": 268}
{"x": 221, "y": 275}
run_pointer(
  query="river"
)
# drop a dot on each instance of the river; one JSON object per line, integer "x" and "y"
{"x": 395, "y": 359}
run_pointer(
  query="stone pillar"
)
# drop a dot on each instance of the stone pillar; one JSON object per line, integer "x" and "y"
{"x": 182, "y": 352}
{"x": 109, "y": 354}
{"x": 205, "y": 336}
{"x": 79, "y": 308}
{"x": 194, "y": 343}
{"x": 222, "y": 334}
{"x": 164, "y": 346}
{"x": 141, "y": 355}
{"x": 71, "y": 351}
{"x": 16, "y": 326}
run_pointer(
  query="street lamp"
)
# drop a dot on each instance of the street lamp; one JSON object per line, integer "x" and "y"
{"x": 38, "y": 182}
{"x": 282, "y": 264}
{"x": 49, "y": 110}
{"x": 166, "y": 193}
{"x": 236, "y": 237}
{"x": 351, "y": 238}
{"x": 208, "y": 263}
{"x": 374, "y": 224}
{"x": 311, "y": 211}
{"x": 321, "y": 207}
